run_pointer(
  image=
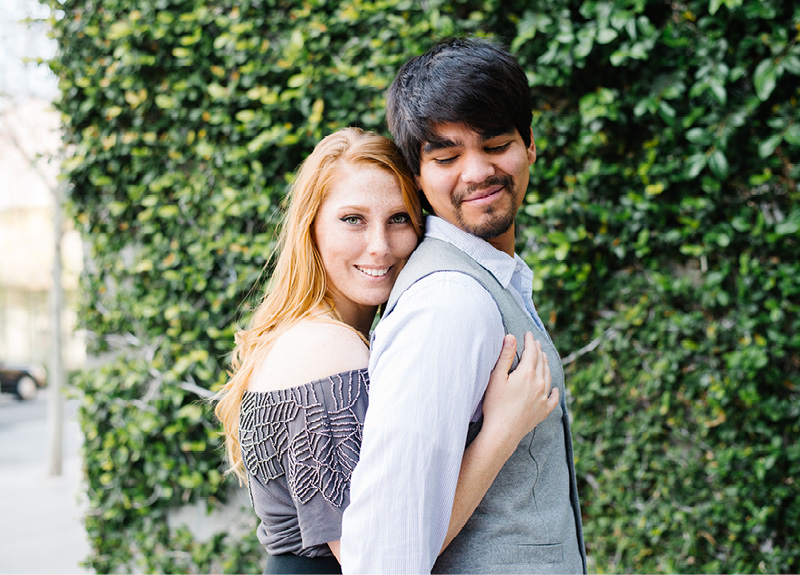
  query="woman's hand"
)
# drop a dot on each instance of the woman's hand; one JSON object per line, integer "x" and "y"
{"x": 516, "y": 402}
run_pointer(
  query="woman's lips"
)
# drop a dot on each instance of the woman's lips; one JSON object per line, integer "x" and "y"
{"x": 374, "y": 272}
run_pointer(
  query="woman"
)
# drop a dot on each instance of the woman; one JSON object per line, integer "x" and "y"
{"x": 294, "y": 406}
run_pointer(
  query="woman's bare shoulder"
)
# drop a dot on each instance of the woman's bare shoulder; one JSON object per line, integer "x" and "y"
{"x": 308, "y": 351}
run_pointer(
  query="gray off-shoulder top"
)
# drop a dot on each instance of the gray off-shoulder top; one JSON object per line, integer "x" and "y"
{"x": 300, "y": 446}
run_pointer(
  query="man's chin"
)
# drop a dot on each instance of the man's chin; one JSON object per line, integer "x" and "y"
{"x": 490, "y": 229}
{"x": 488, "y": 225}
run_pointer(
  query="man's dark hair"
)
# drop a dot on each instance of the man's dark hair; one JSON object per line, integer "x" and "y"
{"x": 471, "y": 81}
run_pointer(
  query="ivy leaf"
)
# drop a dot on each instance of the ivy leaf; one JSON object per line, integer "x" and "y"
{"x": 691, "y": 250}
{"x": 768, "y": 146}
{"x": 606, "y": 35}
{"x": 792, "y": 135}
{"x": 718, "y": 164}
{"x": 765, "y": 79}
{"x": 792, "y": 64}
{"x": 165, "y": 102}
{"x": 695, "y": 165}
{"x": 699, "y": 136}
{"x": 790, "y": 225}
{"x": 719, "y": 91}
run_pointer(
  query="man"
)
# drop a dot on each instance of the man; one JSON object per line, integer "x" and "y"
{"x": 461, "y": 114}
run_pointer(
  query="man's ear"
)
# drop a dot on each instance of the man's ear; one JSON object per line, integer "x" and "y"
{"x": 532, "y": 150}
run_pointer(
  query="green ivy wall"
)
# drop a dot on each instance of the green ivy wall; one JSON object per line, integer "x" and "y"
{"x": 662, "y": 223}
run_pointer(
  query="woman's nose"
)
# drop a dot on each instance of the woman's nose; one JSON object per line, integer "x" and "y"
{"x": 378, "y": 241}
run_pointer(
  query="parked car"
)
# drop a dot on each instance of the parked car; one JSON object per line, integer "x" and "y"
{"x": 22, "y": 380}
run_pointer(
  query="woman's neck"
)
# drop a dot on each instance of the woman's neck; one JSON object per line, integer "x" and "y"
{"x": 360, "y": 318}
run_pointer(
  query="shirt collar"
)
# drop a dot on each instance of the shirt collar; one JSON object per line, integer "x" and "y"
{"x": 499, "y": 264}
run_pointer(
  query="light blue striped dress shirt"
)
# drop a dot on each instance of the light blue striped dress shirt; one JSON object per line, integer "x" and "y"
{"x": 430, "y": 364}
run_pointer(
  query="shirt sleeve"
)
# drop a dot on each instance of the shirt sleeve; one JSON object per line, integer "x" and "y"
{"x": 430, "y": 364}
{"x": 319, "y": 521}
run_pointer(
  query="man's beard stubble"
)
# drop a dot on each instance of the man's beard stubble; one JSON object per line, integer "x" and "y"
{"x": 497, "y": 219}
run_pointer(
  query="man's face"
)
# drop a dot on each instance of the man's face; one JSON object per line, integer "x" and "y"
{"x": 477, "y": 181}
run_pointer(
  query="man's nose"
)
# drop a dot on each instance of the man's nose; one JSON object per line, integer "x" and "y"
{"x": 477, "y": 168}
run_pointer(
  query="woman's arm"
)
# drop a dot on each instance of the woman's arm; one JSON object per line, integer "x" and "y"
{"x": 513, "y": 405}
{"x": 336, "y": 550}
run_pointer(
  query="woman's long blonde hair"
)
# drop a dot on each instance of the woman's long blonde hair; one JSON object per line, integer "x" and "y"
{"x": 298, "y": 284}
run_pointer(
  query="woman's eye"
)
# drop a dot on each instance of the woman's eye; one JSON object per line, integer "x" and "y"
{"x": 352, "y": 220}
{"x": 400, "y": 219}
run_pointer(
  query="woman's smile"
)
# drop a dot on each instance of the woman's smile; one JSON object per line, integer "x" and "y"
{"x": 374, "y": 272}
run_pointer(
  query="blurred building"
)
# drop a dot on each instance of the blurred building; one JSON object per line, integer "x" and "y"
{"x": 29, "y": 166}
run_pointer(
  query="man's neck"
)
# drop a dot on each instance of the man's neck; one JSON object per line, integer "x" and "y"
{"x": 505, "y": 242}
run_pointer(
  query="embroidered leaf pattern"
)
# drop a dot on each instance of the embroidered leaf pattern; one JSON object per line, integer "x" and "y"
{"x": 310, "y": 433}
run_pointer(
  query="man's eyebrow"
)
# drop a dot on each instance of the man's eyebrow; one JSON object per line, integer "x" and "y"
{"x": 442, "y": 144}
{"x": 486, "y": 136}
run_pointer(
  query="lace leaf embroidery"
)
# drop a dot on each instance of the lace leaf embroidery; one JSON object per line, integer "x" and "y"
{"x": 311, "y": 434}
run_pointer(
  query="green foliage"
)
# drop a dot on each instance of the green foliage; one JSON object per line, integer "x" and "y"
{"x": 662, "y": 224}
{"x": 663, "y": 228}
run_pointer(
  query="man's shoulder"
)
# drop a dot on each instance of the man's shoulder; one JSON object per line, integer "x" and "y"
{"x": 433, "y": 256}
{"x": 437, "y": 251}
{"x": 437, "y": 266}
{"x": 448, "y": 296}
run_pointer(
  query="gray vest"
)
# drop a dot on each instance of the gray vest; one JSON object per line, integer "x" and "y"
{"x": 530, "y": 520}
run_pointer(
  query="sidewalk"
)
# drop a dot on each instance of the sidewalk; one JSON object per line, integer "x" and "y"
{"x": 41, "y": 531}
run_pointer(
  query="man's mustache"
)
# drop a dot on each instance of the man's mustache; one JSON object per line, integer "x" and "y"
{"x": 506, "y": 181}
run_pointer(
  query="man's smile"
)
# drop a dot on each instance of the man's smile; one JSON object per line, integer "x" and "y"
{"x": 484, "y": 196}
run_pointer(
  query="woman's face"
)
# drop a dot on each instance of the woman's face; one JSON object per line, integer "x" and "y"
{"x": 364, "y": 235}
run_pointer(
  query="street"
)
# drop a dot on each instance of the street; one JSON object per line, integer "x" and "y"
{"x": 41, "y": 531}
{"x": 24, "y": 434}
